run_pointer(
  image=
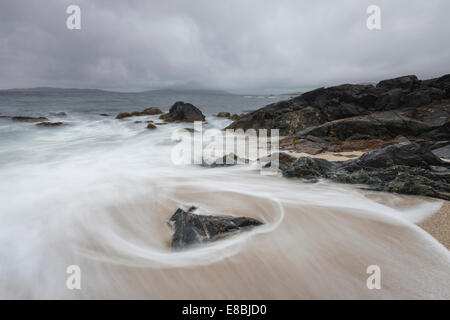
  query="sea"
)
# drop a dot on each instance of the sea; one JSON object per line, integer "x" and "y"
{"x": 97, "y": 192}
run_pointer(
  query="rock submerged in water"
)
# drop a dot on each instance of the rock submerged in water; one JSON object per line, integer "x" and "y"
{"x": 228, "y": 115}
{"x": 58, "y": 114}
{"x": 190, "y": 228}
{"x": 183, "y": 112}
{"x": 147, "y": 112}
{"x": 49, "y": 124}
{"x": 29, "y": 119}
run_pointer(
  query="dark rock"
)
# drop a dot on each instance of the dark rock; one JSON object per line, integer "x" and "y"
{"x": 104, "y": 114}
{"x": 147, "y": 112}
{"x": 405, "y": 154}
{"x": 28, "y": 119}
{"x": 384, "y": 125}
{"x": 227, "y": 160}
{"x": 443, "y": 152}
{"x": 363, "y": 144}
{"x": 442, "y": 83}
{"x": 323, "y": 105}
{"x": 223, "y": 115}
{"x": 309, "y": 168}
{"x": 285, "y": 160}
{"x": 190, "y": 130}
{"x": 191, "y": 229}
{"x": 49, "y": 124}
{"x": 280, "y": 116}
{"x": 437, "y": 145}
{"x": 403, "y": 168}
{"x": 151, "y": 111}
{"x": 315, "y": 139}
{"x": 405, "y": 83}
{"x": 309, "y": 147}
{"x": 151, "y": 126}
{"x": 345, "y": 155}
{"x": 422, "y": 97}
{"x": 123, "y": 115}
{"x": 400, "y": 179}
{"x": 184, "y": 112}
{"x": 390, "y": 100}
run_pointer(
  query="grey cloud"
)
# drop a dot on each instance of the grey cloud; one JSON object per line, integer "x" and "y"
{"x": 235, "y": 45}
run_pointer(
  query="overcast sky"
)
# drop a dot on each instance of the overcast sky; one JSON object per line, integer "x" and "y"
{"x": 236, "y": 45}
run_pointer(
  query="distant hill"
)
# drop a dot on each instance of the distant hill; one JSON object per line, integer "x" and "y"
{"x": 53, "y": 90}
{"x": 45, "y": 90}
{"x": 191, "y": 91}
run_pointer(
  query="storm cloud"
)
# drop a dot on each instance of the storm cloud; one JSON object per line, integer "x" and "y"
{"x": 245, "y": 45}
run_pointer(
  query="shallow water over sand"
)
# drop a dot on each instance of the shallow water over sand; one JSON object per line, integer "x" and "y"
{"x": 98, "y": 193}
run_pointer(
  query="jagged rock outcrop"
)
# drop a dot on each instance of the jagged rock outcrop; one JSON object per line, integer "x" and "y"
{"x": 406, "y": 168}
{"x": 191, "y": 229}
{"x": 323, "y": 105}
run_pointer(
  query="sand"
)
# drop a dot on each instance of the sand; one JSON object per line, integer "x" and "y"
{"x": 330, "y": 156}
{"x": 438, "y": 225}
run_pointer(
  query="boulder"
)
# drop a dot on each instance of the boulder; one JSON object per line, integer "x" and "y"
{"x": 151, "y": 126}
{"x": 190, "y": 228}
{"x": 123, "y": 115}
{"x": 183, "y": 112}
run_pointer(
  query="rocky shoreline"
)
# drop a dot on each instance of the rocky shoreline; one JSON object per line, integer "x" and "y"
{"x": 403, "y": 124}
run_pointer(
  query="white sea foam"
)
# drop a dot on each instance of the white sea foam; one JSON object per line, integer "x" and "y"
{"x": 98, "y": 194}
